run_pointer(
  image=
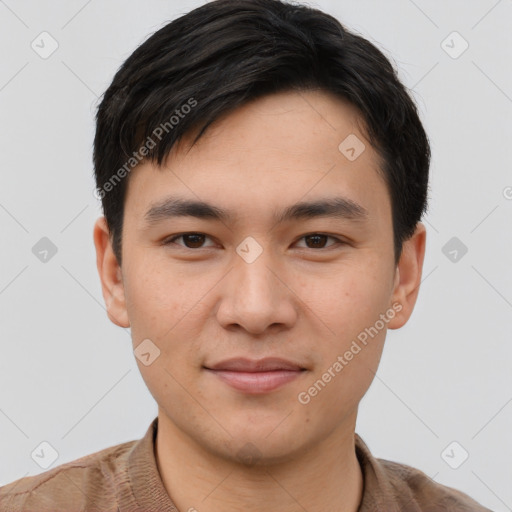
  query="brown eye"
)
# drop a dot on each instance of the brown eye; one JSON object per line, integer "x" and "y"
{"x": 318, "y": 241}
{"x": 191, "y": 240}
{"x": 195, "y": 239}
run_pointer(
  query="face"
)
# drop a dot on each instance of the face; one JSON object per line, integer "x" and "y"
{"x": 316, "y": 290}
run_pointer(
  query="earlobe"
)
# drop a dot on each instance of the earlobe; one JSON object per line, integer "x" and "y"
{"x": 408, "y": 276}
{"x": 110, "y": 275}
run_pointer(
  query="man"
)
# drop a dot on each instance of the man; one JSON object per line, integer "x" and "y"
{"x": 263, "y": 174}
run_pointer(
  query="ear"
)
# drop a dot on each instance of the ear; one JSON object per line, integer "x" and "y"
{"x": 408, "y": 277}
{"x": 110, "y": 275}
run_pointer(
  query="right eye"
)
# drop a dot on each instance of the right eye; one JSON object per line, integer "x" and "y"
{"x": 192, "y": 240}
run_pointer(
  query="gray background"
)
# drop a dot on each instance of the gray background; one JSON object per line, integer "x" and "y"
{"x": 68, "y": 376}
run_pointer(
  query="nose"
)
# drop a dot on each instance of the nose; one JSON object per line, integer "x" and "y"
{"x": 257, "y": 297}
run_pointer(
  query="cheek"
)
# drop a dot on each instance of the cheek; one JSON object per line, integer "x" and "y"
{"x": 165, "y": 308}
{"x": 155, "y": 302}
{"x": 350, "y": 304}
{"x": 349, "y": 298}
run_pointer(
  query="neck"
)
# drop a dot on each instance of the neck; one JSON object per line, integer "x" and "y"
{"x": 325, "y": 477}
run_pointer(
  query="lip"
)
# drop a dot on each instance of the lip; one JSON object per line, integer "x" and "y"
{"x": 242, "y": 364}
{"x": 256, "y": 376}
{"x": 257, "y": 382}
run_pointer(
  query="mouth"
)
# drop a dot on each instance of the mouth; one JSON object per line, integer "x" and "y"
{"x": 256, "y": 376}
{"x": 267, "y": 364}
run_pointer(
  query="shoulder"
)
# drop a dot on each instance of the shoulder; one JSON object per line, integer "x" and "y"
{"x": 88, "y": 480}
{"x": 420, "y": 492}
{"x": 393, "y": 487}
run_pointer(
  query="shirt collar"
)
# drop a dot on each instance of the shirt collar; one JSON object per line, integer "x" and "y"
{"x": 148, "y": 492}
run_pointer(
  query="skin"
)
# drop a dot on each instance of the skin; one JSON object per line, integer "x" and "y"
{"x": 201, "y": 303}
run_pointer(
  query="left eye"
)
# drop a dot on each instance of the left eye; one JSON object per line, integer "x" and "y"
{"x": 319, "y": 238}
{"x": 197, "y": 239}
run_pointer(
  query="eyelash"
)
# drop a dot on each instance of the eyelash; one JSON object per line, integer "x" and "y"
{"x": 171, "y": 240}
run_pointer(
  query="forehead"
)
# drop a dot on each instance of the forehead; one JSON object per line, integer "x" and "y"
{"x": 270, "y": 153}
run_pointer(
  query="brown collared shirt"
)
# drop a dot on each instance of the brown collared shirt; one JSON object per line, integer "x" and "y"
{"x": 125, "y": 478}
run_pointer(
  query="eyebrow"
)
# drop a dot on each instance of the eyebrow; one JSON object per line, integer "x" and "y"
{"x": 336, "y": 207}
